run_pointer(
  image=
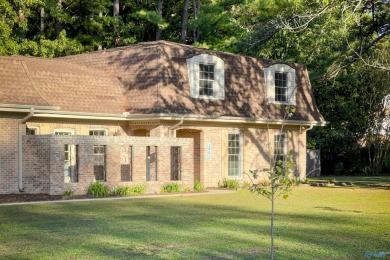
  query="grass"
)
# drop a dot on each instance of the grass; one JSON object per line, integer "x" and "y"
{"x": 358, "y": 181}
{"x": 313, "y": 223}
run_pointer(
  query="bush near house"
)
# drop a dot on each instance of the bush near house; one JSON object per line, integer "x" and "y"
{"x": 98, "y": 189}
{"x": 229, "y": 184}
{"x": 170, "y": 188}
{"x": 129, "y": 190}
{"x": 198, "y": 186}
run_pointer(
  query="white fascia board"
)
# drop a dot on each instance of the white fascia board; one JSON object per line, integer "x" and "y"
{"x": 221, "y": 119}
{"x": 65, "y": 115}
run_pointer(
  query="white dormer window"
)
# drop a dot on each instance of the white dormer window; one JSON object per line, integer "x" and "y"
{"x": 280, "y": 82}
{"x": 206, "y": 76}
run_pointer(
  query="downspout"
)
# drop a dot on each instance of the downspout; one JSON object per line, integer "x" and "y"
{"x": 20, "y": 148}
{"x": 171, "y": 128}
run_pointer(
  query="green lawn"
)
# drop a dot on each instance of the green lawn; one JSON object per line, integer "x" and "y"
{"x": 357, "y": 181}
{"x": 313, "y": 223}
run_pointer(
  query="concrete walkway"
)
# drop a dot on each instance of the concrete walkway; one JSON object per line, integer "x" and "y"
{"x": 151, "y": 196}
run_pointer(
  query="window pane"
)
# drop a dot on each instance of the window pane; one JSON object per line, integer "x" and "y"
{"x": 234, "y": 155}
{"x": 206, "y": 80}
{"x": 281, "y": 86}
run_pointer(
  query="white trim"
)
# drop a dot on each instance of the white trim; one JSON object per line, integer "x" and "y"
{"x": 36, "y": 128}
{"x": 99, "y": 129}
{"x": 126, "y": 116}
{"x": 285, "y": 142}
{"x": 241, "y": 150}
{"x": 64, "y": 130}
{"x": 269, "y": 78}
{"x": 219, "y": 75}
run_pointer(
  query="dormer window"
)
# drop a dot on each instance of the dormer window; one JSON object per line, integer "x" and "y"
{"x": 206, "y": 77}
{"x": 280, "y": 82}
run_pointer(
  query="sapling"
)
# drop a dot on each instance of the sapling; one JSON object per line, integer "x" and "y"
{"x": 280, "y": 185}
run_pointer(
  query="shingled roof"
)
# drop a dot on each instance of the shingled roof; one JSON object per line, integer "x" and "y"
{"x": 155, "y": 79}
{"x": 52, "y": 82}
{"x": 151, "y": 78}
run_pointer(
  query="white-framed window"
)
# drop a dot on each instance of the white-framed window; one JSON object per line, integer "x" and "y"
{"x": 206, "y": 75}
{"x": 234, "y": 154}
{"x": 280, "y": 83}
{"x": 98, "y": 131}
{"x": 280, "y": 147}
{"x": 32, "y": 130}
{"x": 64, "y": 131}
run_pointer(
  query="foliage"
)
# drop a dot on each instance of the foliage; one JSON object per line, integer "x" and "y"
{"x": 98, "y": 189}
{"x": 281, "y": 183}
{"x": 170, "y": 188}
{"x": 68, "y": 193}
{"x": 229, "y": 184}
{"x": 198, "y": 186}
{"x": 129, "y": 190}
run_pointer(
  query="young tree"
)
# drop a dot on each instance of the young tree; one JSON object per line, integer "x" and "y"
{"x": 281, "y": 184}
{"x": 279, "y": 174}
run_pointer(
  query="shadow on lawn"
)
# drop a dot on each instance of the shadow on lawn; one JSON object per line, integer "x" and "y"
{"x": 166, "y": 229}
{"x": 370, "y": 182}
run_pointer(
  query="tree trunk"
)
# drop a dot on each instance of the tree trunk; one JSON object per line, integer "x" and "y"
{"x": 42, "y": 28}
{"x": 116, "y": 8}
{"x": 195, "y": 4}
{"x": 184, "y": 22}
{"x": 58, "y": 25}
{"x": 159, "y": 11}
{"x": 272, "y": 224}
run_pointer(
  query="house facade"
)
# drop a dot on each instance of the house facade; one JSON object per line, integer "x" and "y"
{"x": 153, "y": 113}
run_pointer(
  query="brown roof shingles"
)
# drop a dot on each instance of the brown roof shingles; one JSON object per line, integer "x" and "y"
{"x": 37, "y": 81}
{"x": 152, "y": 77}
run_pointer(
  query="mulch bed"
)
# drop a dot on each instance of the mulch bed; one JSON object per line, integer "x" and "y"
{"x": 14, "y": 198}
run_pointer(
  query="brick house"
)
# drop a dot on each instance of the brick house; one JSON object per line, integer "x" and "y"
{"x": 150, "y": 113}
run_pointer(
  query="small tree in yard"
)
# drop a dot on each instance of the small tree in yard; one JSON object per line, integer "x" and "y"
{"x": 280, "y": 184}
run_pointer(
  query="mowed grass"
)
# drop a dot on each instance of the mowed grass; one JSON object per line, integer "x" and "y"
{"x": 357, "y": 181}
{"x": 313, "y": 223}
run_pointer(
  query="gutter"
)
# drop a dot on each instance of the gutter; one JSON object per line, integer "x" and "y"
{"x": 301, "y": 131}
{"x": 221, "y": 119}
{"x": 171, "y": 128}
{"x": 20, "y": 148}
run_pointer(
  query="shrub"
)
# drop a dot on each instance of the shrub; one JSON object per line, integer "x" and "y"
{"x": 198, "y": 186}
{"x": 246, "y": 185}
{"x": 187, "y": 190}
{"x": 229, "y": 184}
{"x": 170, "y": 188}
{"x": 97, "y": 189}
{"x": 129, "y": 190}
{"x": 68, "y": 193}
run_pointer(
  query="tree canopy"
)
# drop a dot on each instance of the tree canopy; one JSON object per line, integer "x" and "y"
{"x": 345, "y": 45}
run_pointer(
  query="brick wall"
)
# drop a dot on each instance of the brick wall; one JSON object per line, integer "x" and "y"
{"x": 9, "y": 155}
{"x": 257, "y": 150}
{"x": 44, "y": 163}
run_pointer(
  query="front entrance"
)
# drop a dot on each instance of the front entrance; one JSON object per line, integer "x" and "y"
{"x": 195, "y": 134}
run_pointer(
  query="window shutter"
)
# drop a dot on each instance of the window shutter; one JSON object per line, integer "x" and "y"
{"x": 195, "y": 85}
{"x": 291, "y": 88}
{"x": 193, "y": 75}
{"x": 269, "y": 75}
{"x": 219, "y": 83}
